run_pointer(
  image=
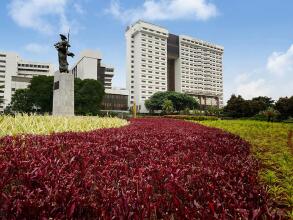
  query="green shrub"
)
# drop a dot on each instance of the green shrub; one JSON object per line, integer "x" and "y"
{"x": 270, "y": 114}
{"x": 192, "y": 117}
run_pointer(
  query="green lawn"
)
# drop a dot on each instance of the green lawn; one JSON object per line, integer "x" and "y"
{"x": 271, "y": 144}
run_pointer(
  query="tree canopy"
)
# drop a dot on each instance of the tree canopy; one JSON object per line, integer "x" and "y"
{"x": 235, "y": 107}
{"x": 20, "y": 101}
{"x": 267, "y": 101}
{"x": 180, "y": 101}
{"x": 285, "y": 107}
{"x": 88, "y": 95}
{"x": 238, "y": 107}
{"x": 40, "y": 92}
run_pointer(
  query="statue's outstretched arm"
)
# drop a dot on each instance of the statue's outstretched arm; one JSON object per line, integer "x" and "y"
{"x": 70, "y": 54}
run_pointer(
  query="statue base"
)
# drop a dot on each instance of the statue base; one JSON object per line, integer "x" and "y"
{"x": 63, "y": 94}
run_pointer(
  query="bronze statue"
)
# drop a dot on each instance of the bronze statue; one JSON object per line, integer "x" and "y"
{"x": 63, "y": 52}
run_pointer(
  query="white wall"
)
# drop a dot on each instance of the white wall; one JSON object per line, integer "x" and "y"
{"x": 87, "y": 68}
{"x": 11, "y": 70}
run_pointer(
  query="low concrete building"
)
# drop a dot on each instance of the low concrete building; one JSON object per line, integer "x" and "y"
{"x": 16, "y": 73}
{"x": 90, "y": 66}
{"x": 115, "y": 100}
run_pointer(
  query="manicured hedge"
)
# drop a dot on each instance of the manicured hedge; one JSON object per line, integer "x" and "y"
{"x": 192, "y": 117}
{"x": 150, "y": 169}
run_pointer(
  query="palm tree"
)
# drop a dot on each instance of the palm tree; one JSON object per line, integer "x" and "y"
{"x": 168, "y": 106}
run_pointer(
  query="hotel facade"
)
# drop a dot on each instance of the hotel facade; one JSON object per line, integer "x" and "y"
{"x": 16, "y": 73}
{"x": 157, "y": 60}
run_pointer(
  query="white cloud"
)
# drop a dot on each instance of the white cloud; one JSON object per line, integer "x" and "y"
{"x": 40, "y": 15}
{"x": 253, "y": 88}
{"x": 281, "y": 63}
{"x": 36, "y": 48}
{"x": 241, "y": 78}
{"x": 259, "y": 83}
{"x": 165, "y": 10}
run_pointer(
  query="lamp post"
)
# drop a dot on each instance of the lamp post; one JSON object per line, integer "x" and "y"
{"x": 134, "y": 109}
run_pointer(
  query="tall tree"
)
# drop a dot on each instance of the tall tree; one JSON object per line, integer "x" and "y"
{"x": 236, "y": 106}
{"x": 285, "y": 107}
{"x": 267, "y": 101}
{"x": 20, "y": 101}
{"x": 41, "y": 93}
{"x": 255, "y": 106}
{"x": 88, "y": 95}
{"x": 180, "y": 101}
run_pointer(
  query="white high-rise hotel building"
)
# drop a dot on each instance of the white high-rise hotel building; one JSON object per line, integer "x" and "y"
{"x": 160, "y": 61}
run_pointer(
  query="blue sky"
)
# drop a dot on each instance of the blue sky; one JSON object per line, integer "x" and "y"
{"x": 257, "y": 35}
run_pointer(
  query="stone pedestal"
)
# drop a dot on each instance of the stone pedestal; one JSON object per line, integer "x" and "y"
{"x": 63, "y": 94}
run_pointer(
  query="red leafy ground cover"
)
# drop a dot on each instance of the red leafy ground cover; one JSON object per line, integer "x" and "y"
{"x": 151, "y": 169}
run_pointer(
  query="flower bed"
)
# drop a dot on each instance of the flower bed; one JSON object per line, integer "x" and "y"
{"x": 152, "y": 168}
{"x": 35, "y": 124}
